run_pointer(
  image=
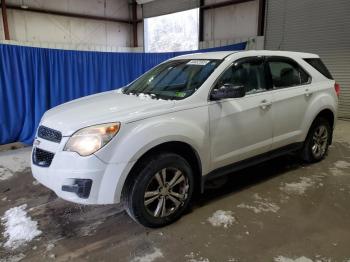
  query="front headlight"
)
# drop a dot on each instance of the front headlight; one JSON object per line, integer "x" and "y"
{"x": 88, "y": 140}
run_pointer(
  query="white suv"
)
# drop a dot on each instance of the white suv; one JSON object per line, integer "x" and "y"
{"x": 154, "y": 143}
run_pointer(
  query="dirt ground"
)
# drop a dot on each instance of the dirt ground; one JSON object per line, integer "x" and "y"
{"x": 279, "y": 210}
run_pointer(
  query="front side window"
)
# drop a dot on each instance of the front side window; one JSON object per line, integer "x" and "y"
{"x": 249, "y": 74}
{"x": 287, "y": 74}
{"x": 175, "y": 79}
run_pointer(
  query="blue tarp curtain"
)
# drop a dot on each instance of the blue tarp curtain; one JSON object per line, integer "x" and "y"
{"x": 33, "y": 80}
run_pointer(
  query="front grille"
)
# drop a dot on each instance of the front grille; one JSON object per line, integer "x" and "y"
{"x": 49, "y": 134}
{"x": 42, "y": 158}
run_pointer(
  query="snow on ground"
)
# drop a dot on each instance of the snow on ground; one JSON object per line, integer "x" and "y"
{"x": 260, "y": 205}
{"x": 300, "y": 188}
{"x": 286, "y": 259}
{"x": 150, "y": 257}
{"x": 19, "y": 227}
{"x": 14, "y": 161}
{"x": 342, "y": 164}
{"x": 222, "y": 218}
{"x": 192, "y": 257}
{"x": 338, "y": 169}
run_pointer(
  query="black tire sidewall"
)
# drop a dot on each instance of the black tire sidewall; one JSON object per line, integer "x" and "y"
{"x": 149, "y": 168}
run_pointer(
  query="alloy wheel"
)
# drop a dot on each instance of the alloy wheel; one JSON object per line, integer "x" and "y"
{"x": 320, "y": 140}
{"x": 166, "y": 192}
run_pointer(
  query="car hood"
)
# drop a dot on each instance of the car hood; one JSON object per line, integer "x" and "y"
{"x": 101, "y": 108}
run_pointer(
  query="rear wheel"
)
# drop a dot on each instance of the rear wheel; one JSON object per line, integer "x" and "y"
{"x": 317, "y": 141}
{"x": 159, "y": 190}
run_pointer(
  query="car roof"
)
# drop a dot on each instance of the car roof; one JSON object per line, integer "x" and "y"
{"x": 224, "y": 54}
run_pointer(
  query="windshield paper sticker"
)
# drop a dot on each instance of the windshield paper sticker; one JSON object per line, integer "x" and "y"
{"x": 180, "y": 94}
{"x": 198, "y": 62}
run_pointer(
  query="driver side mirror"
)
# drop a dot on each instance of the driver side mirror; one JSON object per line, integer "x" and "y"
{"x": 228, "y": 91}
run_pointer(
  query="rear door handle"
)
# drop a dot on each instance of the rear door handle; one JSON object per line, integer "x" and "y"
{"x": 307, "y": 92}
{"x": 264, "y": 104}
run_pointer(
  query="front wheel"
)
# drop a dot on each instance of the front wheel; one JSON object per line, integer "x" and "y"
{"x": 317, "y": 141}
{"x": 159, "y": 190}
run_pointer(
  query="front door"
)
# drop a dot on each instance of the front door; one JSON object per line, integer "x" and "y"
{"x": 241, "y": 128}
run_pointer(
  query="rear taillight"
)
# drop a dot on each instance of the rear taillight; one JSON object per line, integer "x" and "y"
{"x": 337, "y": 89}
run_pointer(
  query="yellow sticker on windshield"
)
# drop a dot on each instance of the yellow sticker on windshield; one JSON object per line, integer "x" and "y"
{"x": 180, "y": 94}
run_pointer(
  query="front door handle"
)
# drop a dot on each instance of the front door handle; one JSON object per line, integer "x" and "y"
{"x": 265, "y": 105}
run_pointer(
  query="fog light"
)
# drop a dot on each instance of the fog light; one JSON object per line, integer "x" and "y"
{"x": 81, "y": 187}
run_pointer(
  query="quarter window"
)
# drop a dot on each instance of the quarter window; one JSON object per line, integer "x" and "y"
{"x": 249, "y": 74}
{"x": 287, "y": 74}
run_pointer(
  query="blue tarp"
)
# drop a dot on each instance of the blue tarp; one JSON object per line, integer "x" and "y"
{"x": 33, "y": 80}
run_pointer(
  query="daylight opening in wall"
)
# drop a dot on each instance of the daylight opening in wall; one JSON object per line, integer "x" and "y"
{"x": 173, "y": 32}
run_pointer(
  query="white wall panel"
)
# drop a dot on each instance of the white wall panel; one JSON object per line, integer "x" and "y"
{"x": 29, "y": 26}
{"x": 231, "y": 22}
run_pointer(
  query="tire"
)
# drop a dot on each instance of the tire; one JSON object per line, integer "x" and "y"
{"x": 148, "y": 176}
{"x": 317, "y": 141}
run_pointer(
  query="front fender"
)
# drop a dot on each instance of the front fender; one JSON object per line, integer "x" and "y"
{"x": 137, "y": 138}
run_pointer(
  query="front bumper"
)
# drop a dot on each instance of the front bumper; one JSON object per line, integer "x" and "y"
{"x": 67, "y": 168}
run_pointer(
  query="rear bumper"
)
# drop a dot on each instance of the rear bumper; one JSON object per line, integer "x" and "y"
{"x": 68, "y": 167}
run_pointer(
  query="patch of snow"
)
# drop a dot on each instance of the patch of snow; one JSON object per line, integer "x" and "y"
{"x": 19, "y": 227}
{"x": 14, "y": 258}
{"x": 35, "y": 183}
{"x": 14, "y": 161}
{"x": 150, "y": 257}
{"x": 5, "y": 173}
{"x": 342, "y": 164}
{"x": 50, "y": 246}
{"x": 222, "y": 218}
{"x": 192, "y": 257}
{"x": 260, "y": 205}
{"x": 336, "y": 172}
{"x": 298, "y": 188}
{"x": 144, "y": 96}
{"x": 201, "y": 259}
{"x": 286, "y": 259}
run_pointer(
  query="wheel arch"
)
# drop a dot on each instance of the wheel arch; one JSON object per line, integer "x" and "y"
{"x": 327, "y": 114}
{"x": 181, "y": 148}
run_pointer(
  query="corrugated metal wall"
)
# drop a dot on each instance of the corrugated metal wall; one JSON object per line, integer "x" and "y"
{"x": 316, "y": 26}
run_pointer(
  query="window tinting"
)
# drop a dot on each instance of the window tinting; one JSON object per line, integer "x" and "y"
{"x": 248, "y": 74}
{"x": 287, "y": 74}
{"x": 319, "y": 66}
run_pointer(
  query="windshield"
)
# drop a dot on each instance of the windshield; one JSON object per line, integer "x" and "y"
{"x": 175, "y": 79}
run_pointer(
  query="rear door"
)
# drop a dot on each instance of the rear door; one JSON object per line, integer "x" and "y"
{"x": 292, "y": 90}
{"x": 241, "y": 128}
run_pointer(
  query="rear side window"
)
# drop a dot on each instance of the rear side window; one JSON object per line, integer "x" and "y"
{"x": 319, "y": 66}
{"x": 287, "y": 73}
